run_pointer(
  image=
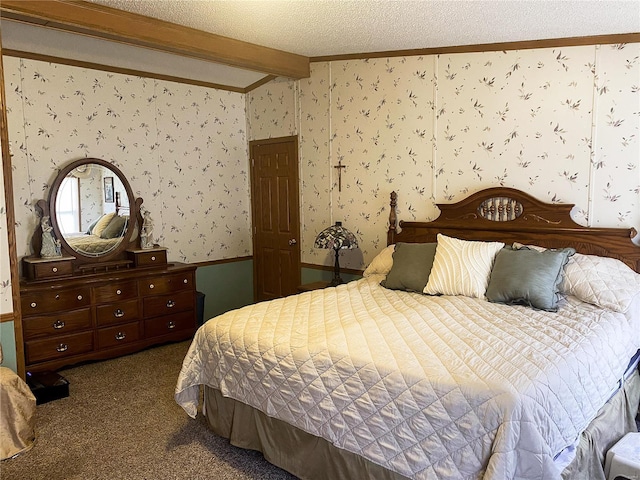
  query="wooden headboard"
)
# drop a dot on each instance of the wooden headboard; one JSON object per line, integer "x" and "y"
{"x": 509, "y": 215}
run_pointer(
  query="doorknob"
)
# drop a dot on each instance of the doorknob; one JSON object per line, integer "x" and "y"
{"x": 292, "y": 242}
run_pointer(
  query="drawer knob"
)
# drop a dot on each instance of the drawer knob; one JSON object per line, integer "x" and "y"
{"x": 171, "y": 304}
{"x": 54, "y": 269}
{"x": 185, "y": 281}
{"x": 153, "y": 259}
{"x": 79, "y": 297}
{"x": 58, "y": 324}
{"x": 63, "y": 347}
{"x": 118, "y": 292}
{"x": 118, "y": 313}
{"x": 34, "y": 304}
{"x": 151, "y": 285}
{"x": 57, "y": 297}
{"x": 120, "y": 335}
{"x": 171, "y": 325}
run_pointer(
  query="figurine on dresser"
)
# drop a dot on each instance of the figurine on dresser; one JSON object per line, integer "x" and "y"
{"x": 146, "y": 233}
{"x": 50, "y": 245}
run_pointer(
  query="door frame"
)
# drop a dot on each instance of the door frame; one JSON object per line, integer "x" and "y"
{"x": 267, "y": 141}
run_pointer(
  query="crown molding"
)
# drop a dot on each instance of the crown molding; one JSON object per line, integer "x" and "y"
{"x": 490, "y": 47}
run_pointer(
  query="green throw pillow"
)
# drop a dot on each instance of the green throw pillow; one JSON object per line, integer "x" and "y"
{"x": 115, "y": 228}
{"x": 90, "y": 229}
{"x": 528, "y": 277}
{"x": 412, "y": 264}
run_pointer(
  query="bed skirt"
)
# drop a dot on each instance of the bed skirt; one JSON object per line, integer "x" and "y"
{"x": 309, "y": 457}
{"x": 300, "y": 453}
{"x": 614, "y": 420}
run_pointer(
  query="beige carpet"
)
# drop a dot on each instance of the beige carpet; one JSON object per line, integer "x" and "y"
{"x": 120, "y": 422}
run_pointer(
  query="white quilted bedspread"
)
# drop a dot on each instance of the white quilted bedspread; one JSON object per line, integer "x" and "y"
{"x": 429, "y": 387}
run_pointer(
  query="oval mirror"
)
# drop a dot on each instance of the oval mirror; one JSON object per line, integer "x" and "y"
{"x": 92, "y": 207}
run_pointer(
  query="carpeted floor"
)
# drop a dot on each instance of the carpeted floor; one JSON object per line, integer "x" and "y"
{"x": 120, "y": 422}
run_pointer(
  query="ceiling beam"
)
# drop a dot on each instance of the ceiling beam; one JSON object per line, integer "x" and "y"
{"x": 130, "y": 28}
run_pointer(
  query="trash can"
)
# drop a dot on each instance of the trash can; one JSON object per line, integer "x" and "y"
{"x": 200, "y": 308}
{"x": 623, "y": 459}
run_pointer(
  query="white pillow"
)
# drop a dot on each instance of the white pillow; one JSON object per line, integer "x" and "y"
{"x": 602, "y": 281}
{"x": 382, "y": 262}
{"x": 461, "y": 267}
{"x": 537, "y": 248}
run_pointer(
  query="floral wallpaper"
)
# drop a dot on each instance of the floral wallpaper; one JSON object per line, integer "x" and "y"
{"x": 183, "y": 149}
{"x": 560, "y": 123}
{"x": 314, "y": 158}
{"x": 273, "y": 110}
{"x": 382, "y": 129}
{"x": 615, "y": 164}
{"x": 204, "y": 173}
{"x": 515, "y": 119}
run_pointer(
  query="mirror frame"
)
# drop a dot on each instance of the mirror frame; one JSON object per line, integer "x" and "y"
{"x": 134, "y": 209}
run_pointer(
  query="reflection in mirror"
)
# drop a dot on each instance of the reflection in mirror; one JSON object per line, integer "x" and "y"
{"x": 92, "y": 209}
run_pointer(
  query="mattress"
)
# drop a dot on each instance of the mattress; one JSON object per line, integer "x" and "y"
{"x": 428, "y": 387}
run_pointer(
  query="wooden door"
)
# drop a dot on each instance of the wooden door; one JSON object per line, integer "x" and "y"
{"x": 276, "y": 217}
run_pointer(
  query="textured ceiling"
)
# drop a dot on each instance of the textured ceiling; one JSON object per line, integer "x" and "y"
{"x": 334, "y": 27}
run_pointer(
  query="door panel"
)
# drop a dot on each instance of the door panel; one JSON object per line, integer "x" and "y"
{"x": 266, "y": 218}
{"x": 283, "y": 204}
{"x": 270, "y": 277}
{"x": 276, "y": 217}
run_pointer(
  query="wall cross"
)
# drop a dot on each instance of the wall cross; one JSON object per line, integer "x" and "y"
{"x": 339, "y": 167}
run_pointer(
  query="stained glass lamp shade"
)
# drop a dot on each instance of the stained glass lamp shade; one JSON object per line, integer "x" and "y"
{"x": 336, "y": 237}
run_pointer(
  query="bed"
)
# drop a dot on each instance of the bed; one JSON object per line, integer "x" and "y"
{"x": 376, "y": 379}
{"x": 103, "y": 235}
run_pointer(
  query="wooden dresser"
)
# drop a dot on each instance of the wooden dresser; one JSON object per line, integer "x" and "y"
{"x": 73, "y": 319}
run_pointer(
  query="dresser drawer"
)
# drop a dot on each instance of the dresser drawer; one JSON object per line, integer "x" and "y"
{"x": 120, "y": 312}
{"x": 166, "y": 284}
{"x": 55, "y": 301}
{"x": 148, "y": 258}
{"x": 116, "y": 291}
{"x": 168, "y": 304}
{"x": 36, "y": 268}
{"x": 58, "y": 347}
{"x": 59, "y": 323}
{"x": 155, "y": 327}
{"x": 52, "y": 270}
{"x": 118, "y": 335}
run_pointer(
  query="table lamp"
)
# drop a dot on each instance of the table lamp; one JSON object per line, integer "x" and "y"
{"x": 336, "y": 237}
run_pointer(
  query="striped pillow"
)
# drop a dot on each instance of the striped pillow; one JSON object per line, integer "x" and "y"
{"x": 461, "y": 267}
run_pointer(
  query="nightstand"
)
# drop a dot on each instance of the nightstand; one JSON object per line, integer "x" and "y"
{"x": 307, "y": 287}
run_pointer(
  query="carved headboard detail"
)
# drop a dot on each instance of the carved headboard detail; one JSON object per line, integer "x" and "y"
{"x": 509, "y": 215}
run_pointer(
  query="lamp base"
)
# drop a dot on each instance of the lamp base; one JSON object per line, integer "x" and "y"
{"x": 336, "y": 271}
